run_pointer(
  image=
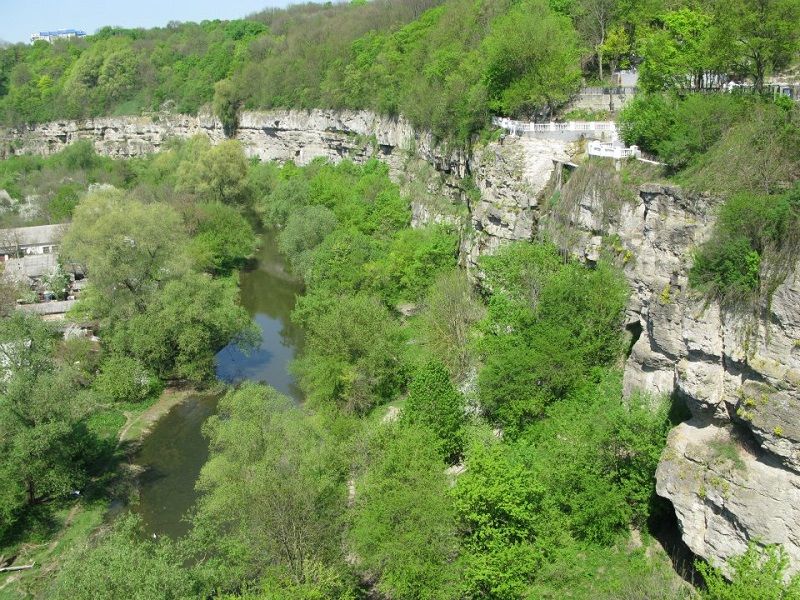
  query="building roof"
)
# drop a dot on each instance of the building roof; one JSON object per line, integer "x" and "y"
{"x": 39, "y": 235}
{"x": 29, "y": 267}
{"x": 60, "y": 32}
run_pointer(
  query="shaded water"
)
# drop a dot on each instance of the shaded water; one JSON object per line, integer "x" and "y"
{"x": 175, "y": 450}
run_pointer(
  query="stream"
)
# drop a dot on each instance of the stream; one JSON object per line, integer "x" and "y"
{"x": 175, "y": 450}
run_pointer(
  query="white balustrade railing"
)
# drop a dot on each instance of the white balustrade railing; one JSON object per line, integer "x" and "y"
{"x": 611, "y": 150}
{"x": 519, "y": 127}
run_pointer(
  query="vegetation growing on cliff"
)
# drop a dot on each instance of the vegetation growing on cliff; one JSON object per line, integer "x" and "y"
{"x": 313, "y": 502}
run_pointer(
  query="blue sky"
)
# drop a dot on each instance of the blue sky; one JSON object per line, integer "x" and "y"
{"x": 20, "y": 18}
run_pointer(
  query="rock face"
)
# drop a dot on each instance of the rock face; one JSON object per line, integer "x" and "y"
{"x": 733, "y": 471}
{"x": 511, "y": 174}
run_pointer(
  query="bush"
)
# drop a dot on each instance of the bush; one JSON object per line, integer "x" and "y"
{"x": 549, "y": 324}
{"x": 758, "y": 574}
{"x": 124, "y": 379}
{"x": 434, "y": 402}
{"x": 646, "y": 121}
{"x": 750, "y": 230}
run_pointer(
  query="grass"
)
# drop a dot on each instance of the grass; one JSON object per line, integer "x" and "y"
{"x": 75, "y": 521}
{"x": 726, "y": 450}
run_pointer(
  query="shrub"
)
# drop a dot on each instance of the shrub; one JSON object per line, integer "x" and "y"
{"x": 124, "y": 379}
{"x": 758, "y": 574}
{"x": 750, "y": 230}
{"x": 434, "y": 402}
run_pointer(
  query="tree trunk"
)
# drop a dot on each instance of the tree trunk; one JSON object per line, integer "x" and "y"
{"x": 600, "y": 63}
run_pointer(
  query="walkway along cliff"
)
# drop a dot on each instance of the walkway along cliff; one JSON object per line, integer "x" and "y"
{"x": 732, "y": 472}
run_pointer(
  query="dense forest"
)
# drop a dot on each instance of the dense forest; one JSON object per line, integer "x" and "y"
{"x": 462, "y": 433}
{"x": 445, "y": 64}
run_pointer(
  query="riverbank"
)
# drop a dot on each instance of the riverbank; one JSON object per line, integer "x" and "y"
{"x": 73, "y": 522}
{"x": 138, "y": 426}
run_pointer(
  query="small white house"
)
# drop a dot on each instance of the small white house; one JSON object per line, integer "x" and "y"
{"x": 26, "y": 241}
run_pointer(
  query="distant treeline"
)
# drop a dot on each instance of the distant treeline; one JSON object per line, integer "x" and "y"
{"x": 445, "y": 64}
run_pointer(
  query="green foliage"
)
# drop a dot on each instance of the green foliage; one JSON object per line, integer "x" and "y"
{"x": 226, "y": 106}
{"x": 273, "y": 489}
{"x": 749, "y": 230}
{"x": 549, "y": 324}
{"x": 646, "y": 121}
{"x": 434, "y": 402}
{"x": 213, "y": 173}
{"x": 352, "y": 353}
{"x": 532, "y": 57}
{"x": 451, "y": 308}
{"x": 412, "y": 261}
{"x": 502, "y": 511}
{"x": 45, "y": 450}
{"x": 403, "y": 523}
{"x": 758, "y": 574}
{"x": 725, "y": 143}
{"x": 182, "y": 327}
{"x": 128, "y": 247}
{"x": 221, "y": 240}
{"x": 305, "y": 229}
{"x": 123, "y": 563}
{"x": 124, "y": 379}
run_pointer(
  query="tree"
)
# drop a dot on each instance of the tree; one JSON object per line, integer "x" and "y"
{"x": 130, "y": 249}
{"x": 403, "y": 523}
{"x": 272, "y": 489}
{"x": 501, "y": 508}
{"x": 594, "y": 18}
{"x": 124, "y": 379}
{"x": 680, "y": 54}
{"x": 305, "y": 229}
{"x": 532, "y": 56}
{"x": 226, "y": 105}
{"x": 434, "y": 402}
{"x": 221, "y": 238}
{"x": 182, "y": 328}
{"x": 42, "y": 445}
{"x": 450, "y": 310}
{"x": 213, "y": 173}
{"x": 759, "y": 36}
{"x": 352, "y": 354}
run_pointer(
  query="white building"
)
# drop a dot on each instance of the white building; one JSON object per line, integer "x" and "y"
{"x": 26, "y": 241}
{"x": 59, "y": 34}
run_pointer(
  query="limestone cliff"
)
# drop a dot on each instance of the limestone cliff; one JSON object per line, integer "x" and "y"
{"x": 733, "y": 471}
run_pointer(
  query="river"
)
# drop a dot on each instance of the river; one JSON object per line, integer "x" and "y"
{"x": 175, "y": 450}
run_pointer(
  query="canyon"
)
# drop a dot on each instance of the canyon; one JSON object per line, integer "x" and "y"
{"x": 732, "y": 470}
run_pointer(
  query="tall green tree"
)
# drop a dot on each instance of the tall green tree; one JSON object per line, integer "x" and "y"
{"x": 130, "y": 249}
{"x": 273, "y": 491}
{"x": 757, "y": 37}
{"x": 434, "y": 402}
{"x": 532, "y": 60}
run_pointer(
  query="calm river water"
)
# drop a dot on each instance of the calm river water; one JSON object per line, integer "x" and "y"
{"x": 175, "y": 450}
